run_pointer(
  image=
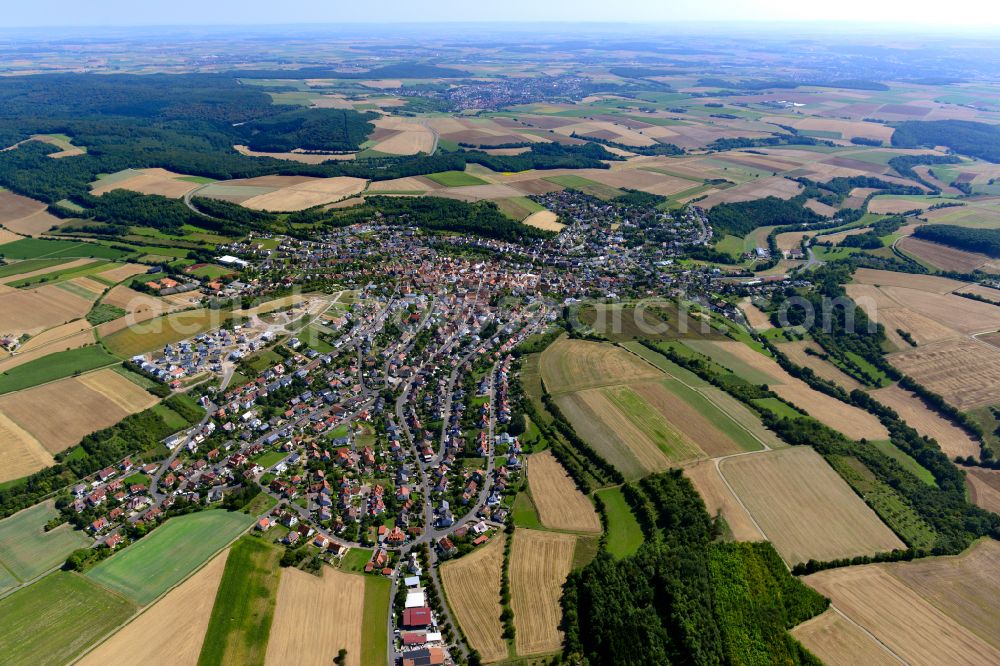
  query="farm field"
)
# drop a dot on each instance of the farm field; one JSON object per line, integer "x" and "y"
{"x": 157, "y": 562}
{"x": 931, "y": 611}
{"x": 31, "y": 311}
{"x": 560, "y": 504}
{"x": 54, "y": 366}
{"x": 984, "y": 488}
{"x": 472, "y": 585}
{"x": 76, "y": 406}
{"x": 540, "y": 563}
{"x": 156, "y": 333}
{"x": 171, "y": 631}
{"x": 38, "y": 248}
{"x": 22, "y": 453}
{"x": 52, "y": 621}
{"x": 545, "y": 220}
{"x": 753, "y": 366}
{"x": 573, "y": 365}
{"x": 947, "y": 258}
{"x": 624, "y": 533}
{"x": 374, "y": 641}
{"x": 963, "y": 371}
{"x": 315, "y": 617}
{"x": 455, "y": 179}
{"x": 652, "y": 419}
{"x": 719, "y": 499}
{"x": 241, "y": 619}
{"x": 756, "y": 317}
{"x": 27, "y": 550}
{"x": 952, "y": 439}
{"x": 146, "y": 181}
{"x": 283, "y": 193}
{"x": 789, "y": 493}
{"x": 796, "y": 353}
{"x": 838, "y": 642}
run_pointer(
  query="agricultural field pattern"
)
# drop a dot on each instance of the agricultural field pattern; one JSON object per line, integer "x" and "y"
{"x": 417, "y": 337}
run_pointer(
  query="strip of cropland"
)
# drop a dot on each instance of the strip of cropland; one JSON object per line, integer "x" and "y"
{"x": 241, "y": 619}
{"x": 472, "y": 585}
{"x": 27, "y": 550}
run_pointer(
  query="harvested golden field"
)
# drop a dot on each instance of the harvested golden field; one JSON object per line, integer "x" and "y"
{"x": 34, "y": 310}
{"x": 560, "y": 504}
{"x": 882, "y": 309}
{"x": 803, "y": 506}
{"x": 965, "y": 372}
{"x": 938, "y": 611}
{"x": 539, "y": 565}
{"x": 405, "y": 137}
{"x": 821, "y": 208}
{"x": 892, "y": 205}
{"x": 641, "y": 179}
{"x": 171, "y": 631}
{"x": 14, "y": 207}
{"x": 303, "y": 158}
{"x": 953, "y": 440}
{"x": 946, "y": 258}
{"x": 22, "y": 453}
{"x": 8, "y": 236}
{"x": 848, "y": 419}
{"x": 315, "y": 617}
{"x": 718, "y": 498}
{"x": 984, "y": 487}
{"x": 606, "y": 130}
{"x": 545, "y": 220}
{"x": 848, "y": 129}
{"x": 791, "y": 240}
{"x": 930, "y": 283}
{"x": 90, "y": 285}
{"x": 55, "y": 335}
{"x": 35, "y": 224}
{"x": 472, "y": 586}
{"x": 838, "y": 237}
{"x": 796, "y": 353}
{"x": 119, "y": 390}
{"x": 306, "y": 195}
{"x": 147, "y": 181}
{"x": 839, "y": 642}
{"x": 756, "y": 317}
{"x": 123, "y": 272}
{"x": 73, "y": 407}
{"x": 572, "y": 365}
{"x": 771, "y": 186}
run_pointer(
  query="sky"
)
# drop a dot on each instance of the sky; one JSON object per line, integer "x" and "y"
{"x": 979, "y": 14}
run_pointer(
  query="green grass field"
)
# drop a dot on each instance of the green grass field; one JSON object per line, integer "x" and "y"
{"x": 780, "y": 409}
{"x": 27, "y": 550}
{"x": 210, "y": 271}
{"x": 904, "y": 459}
{"x": 731, "y": 361}
{"x": 456, "y": 179}
{"x": 624, "y": 534}
{"x": 244, "y": 605}
{"x": 587, "y": 186}
{"x": 524, "y": 513}
{"x": 269, "y": 458}
{"x": 39, "y": 248}
{"x": 54, "y": 366}
{"x": 374, "y": 643}
{"x": 55, "y": 619}
{"x": 157, "y": 562}
{"x": 356, "y": 559}
{"x": 156, "y": 333}
{"x": 28, "y": 266}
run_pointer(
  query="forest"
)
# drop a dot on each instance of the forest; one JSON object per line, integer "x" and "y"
{"x": 741, "y": 218}
{"x": 984, "y": 241}
{"x": 963, "y": 136}
{"x": 686, "y": 596}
